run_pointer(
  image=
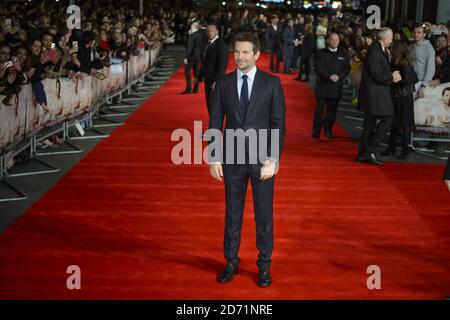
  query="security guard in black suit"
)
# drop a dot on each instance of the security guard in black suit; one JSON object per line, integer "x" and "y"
{"x": 214, "y": 62}
{"x": 332, "y": 65}
{"x": 194, "y": 48}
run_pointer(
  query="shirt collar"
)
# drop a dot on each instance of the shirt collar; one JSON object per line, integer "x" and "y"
{"x": 212, "y": 41}
{"x": 333, "y": 50}
{"x": 251, "y": 74}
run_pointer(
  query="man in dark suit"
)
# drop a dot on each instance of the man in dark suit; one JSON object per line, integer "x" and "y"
{"x": 332, "y": 65}
{"x": 447, "y": 174}
{"x": 289, "y": 45}
{"x": 192, "y": 60}
{"x": 374, "y": 97}
{"x": 215, "y": 61}
{"x": 274, "y": 40}
{"x": 251, "y": 101}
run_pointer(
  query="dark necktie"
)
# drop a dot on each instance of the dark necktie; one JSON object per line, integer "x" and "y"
{"x": 243, "y": 102}
{"x": 206, "y": 49}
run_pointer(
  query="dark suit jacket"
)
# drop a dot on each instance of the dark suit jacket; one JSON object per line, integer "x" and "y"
{"x": 327, "y": 63}
{"x": 194, "y": 46}
{"x": 266, "y": 109}
{"x": 288, "y": 39}
{"x": 374, "y": 95}
{"x": 274, "y": 38}
{"x": 215, "y": 61}
{"x": 447, "y": 170}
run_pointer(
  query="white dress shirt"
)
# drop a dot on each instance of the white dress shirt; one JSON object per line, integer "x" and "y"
{"x": 250, "y": 79}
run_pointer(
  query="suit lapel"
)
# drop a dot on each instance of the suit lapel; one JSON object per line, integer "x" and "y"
{"x": 234, "y": 95}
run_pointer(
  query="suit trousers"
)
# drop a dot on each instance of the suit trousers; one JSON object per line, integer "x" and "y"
{"x": 192, "y": 66}
{"x": 208, "y": 93}
{"x": 372, "y": 133}
{"x": 328, "y": 121}
{"x": 276, "y": 55}
{"x": 236, "y": 177}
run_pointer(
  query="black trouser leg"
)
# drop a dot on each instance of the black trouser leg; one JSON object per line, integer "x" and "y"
{"x": 187, "y": 74}
{"x": 381, "y": 130}
{"x": 262, "y": 192}
{"x": 279, "y": 57}
{"x": 307, "y": 68}
{"x": 318, "y": 115}
{"x": 272, "y": 57}
{"x": 406, "y": 137}
{"x": 368, "y": 128}
{"x": 330, "y": 116}
{"x": 287, "y": 64}
{"x": 236, "y": 181}
{"x": 393, "y": 137}
{"x": 208, "y": 93}
{"x": 196, "y": 68}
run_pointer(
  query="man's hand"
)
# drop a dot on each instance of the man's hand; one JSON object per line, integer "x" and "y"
{"x": 421, "y": 92}
{"x": 397, "y": 77}
{"x": 435, "y": 83}
{"x": 185, "y": 61}
{"x": 334, "y": 78}
{"x": 215, "y": 169}
{"x": 447, "y": 182}
{"x": 268, "y": 170}
{"x": 213, "y": 85}
{"x": 438, "y": 60}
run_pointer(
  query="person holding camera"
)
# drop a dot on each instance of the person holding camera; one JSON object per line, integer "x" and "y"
{"x": 9, "y": 85}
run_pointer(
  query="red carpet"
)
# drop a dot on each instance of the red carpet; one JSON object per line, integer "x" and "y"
{"x": 140, "y": 227}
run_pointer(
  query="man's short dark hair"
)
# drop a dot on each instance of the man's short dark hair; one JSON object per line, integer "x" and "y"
{"x": 211, "y": 24}
{"x": 446, "y": 89}
{"x": 248, "y": 37}
{"x": 420, "y": 25}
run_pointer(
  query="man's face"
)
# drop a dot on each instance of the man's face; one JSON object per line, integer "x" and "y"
{"x": 5, "y": 54}
{"x": 419, "y": 34}
{"x": 291, "y": 23}
{"x": 446, "y": 98}
{"x": 212, "y": 32}
{"x": 244, "y": 57}
{"x": 47, "y": 41}
{"x": 387, "y": 41}
{"x": 275, "y": 21}
{"x": 333, "y": 41}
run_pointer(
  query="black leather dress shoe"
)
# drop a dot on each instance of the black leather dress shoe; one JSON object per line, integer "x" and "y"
{"x": 227, "y": 274}
{"x": 315, "y": 135}
{"x": 329, "y": 134}
{"x": 264, "y": 278}
{"x": 372, "y": 158}
{"x": 186, "y": 92}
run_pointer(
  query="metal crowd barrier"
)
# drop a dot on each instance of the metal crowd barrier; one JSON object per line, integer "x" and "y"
{"x": 425, "y": 135}
{"x": 69, "y": 102}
